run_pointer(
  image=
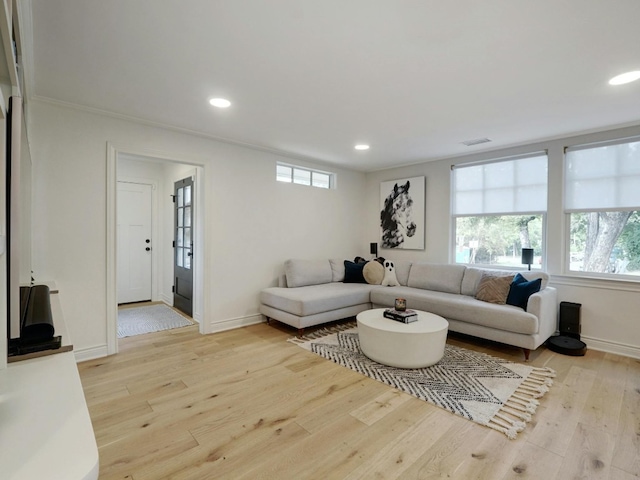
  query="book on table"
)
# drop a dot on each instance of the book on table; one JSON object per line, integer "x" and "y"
{"x": 406, "y": 316}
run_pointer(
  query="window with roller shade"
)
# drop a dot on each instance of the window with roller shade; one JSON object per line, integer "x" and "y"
{"x": 498, "y": 208}
{"x": 602, "y": 202}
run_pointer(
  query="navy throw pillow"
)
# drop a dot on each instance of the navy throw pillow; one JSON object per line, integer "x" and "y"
{"x": 521, "y": 289}
{"x": 353, "y": 272}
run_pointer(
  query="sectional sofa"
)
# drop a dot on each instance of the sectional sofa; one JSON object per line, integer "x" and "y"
{"x": 314, "y": 292}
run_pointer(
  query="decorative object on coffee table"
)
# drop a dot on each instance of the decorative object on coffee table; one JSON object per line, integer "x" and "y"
{"x": 401, "y": 304}
{"x": 404, "y": 316}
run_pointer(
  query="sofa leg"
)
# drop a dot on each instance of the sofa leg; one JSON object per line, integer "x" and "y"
{"x": 268, "y": 320}
{"x": 527, "y": 352}
{"x": 300, "y": 332}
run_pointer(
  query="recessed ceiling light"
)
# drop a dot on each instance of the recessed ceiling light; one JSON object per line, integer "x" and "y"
{"x": 220, "y": 102}
{"x": 625, "y": 78}
{"x": 362, "y": 146}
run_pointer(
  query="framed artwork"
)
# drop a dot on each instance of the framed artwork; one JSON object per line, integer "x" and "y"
{"x": 402, "y": 219}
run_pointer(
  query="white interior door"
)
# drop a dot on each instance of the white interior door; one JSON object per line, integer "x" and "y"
{"x": 134, "y": 242}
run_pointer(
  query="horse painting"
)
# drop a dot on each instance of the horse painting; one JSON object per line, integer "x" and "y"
{"x": 395, "y": 217}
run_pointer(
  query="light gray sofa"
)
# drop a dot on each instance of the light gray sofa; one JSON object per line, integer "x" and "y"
{"x": 313, "y": 292}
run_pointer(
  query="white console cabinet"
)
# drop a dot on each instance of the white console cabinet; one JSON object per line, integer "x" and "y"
{"x": 45, "y": 428}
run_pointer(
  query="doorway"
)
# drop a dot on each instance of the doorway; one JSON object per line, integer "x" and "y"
{"x": 160, "y": 244}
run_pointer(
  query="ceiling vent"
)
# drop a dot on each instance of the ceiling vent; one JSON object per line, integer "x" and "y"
{"x": 476, "y": 141}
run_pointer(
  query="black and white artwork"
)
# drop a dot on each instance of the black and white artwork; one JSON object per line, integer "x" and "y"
{"x": 402, "y": 220}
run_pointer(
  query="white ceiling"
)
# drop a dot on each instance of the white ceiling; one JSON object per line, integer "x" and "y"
{"x": 311, "y": 78}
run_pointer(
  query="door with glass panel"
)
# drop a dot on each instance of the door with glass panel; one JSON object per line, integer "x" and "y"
{"x": 183, "y": 246}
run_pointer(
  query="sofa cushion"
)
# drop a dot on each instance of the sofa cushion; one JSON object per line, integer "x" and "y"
{"x": 373, "y": 272}
{"x": 470, "y": 281}
{"x": 494, "y": 288}
{"x": 473, "y": 275}
{"x": 520, "y": 291}
{"x": 337, "y": 269}
{"x": 438, "y": 277}
{"x": 353, "y": 272}
{"x": 314, "y": 299}
{"x": 402, "y": 271}
{"x": 301, "y": 273}
{"x": 460, "y": 307}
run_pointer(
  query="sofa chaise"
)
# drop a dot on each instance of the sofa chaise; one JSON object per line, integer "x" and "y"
{"x": 314, "y": 292}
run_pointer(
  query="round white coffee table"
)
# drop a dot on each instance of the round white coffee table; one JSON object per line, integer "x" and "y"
{"x": 405, "y": 345}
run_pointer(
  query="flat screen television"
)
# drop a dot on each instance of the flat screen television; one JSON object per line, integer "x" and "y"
{"x": 18, "y": 208}
{"x": 14, "y": 127}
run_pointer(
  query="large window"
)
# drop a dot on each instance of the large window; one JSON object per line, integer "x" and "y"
{"x": 303, "y": 176}
{"x": 499, "y": 208}
{"x": 602, "y": 200}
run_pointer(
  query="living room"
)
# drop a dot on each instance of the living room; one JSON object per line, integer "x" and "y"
{"x": 252, "y": 223}
{"x": 245, "y": 247}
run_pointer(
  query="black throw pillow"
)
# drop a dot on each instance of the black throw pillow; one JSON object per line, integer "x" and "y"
{"x": 353, "y": 272}
{"x": 521, "y": 290}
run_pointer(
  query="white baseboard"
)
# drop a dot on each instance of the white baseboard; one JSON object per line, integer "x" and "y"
{"x": 612, "y": 347}
{"x": 166, "y": 299}
{"x": 238, "y": 322}
{"x": 90, "y": 353}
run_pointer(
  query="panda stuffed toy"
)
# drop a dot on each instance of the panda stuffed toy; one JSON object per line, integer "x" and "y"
{"x": 389, "y": 279}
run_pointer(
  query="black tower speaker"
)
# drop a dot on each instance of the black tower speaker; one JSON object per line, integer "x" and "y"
{"x": 570, "y": 319}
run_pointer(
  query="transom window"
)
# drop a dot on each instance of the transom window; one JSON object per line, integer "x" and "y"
{"x": 498, "y": 208}
{"x": 304, "y": 176}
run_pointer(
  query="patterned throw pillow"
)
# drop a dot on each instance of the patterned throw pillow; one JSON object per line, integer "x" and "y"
{"x": 494, "y": 289}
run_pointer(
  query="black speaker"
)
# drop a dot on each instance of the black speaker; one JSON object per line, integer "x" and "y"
{"x": 570, "y": 319}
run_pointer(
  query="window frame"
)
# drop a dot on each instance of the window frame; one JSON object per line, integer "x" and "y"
{"x": 454, "y": 216}
{"x": 567, "y": 212}
{"x": 312, "y": 173}
{"x": 495, "y": 266}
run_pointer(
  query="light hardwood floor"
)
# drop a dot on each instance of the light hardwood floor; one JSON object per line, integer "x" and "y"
{"x": 247, "y": 404}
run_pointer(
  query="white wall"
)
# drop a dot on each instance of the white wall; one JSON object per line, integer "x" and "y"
{"x": 609, "y": 307}
{"x": 253, "y": 222}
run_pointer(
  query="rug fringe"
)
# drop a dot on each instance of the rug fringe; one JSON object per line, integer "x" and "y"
{"x": 503, "y": 424}
{"x": 517, "y": 411}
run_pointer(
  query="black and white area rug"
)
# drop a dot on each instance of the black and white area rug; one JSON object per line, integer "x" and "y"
{"x": 151, "y": 318}
{"x": 487, "y": 390}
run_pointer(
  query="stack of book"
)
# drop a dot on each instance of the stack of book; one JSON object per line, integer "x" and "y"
{"x": 406, "y": 316}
